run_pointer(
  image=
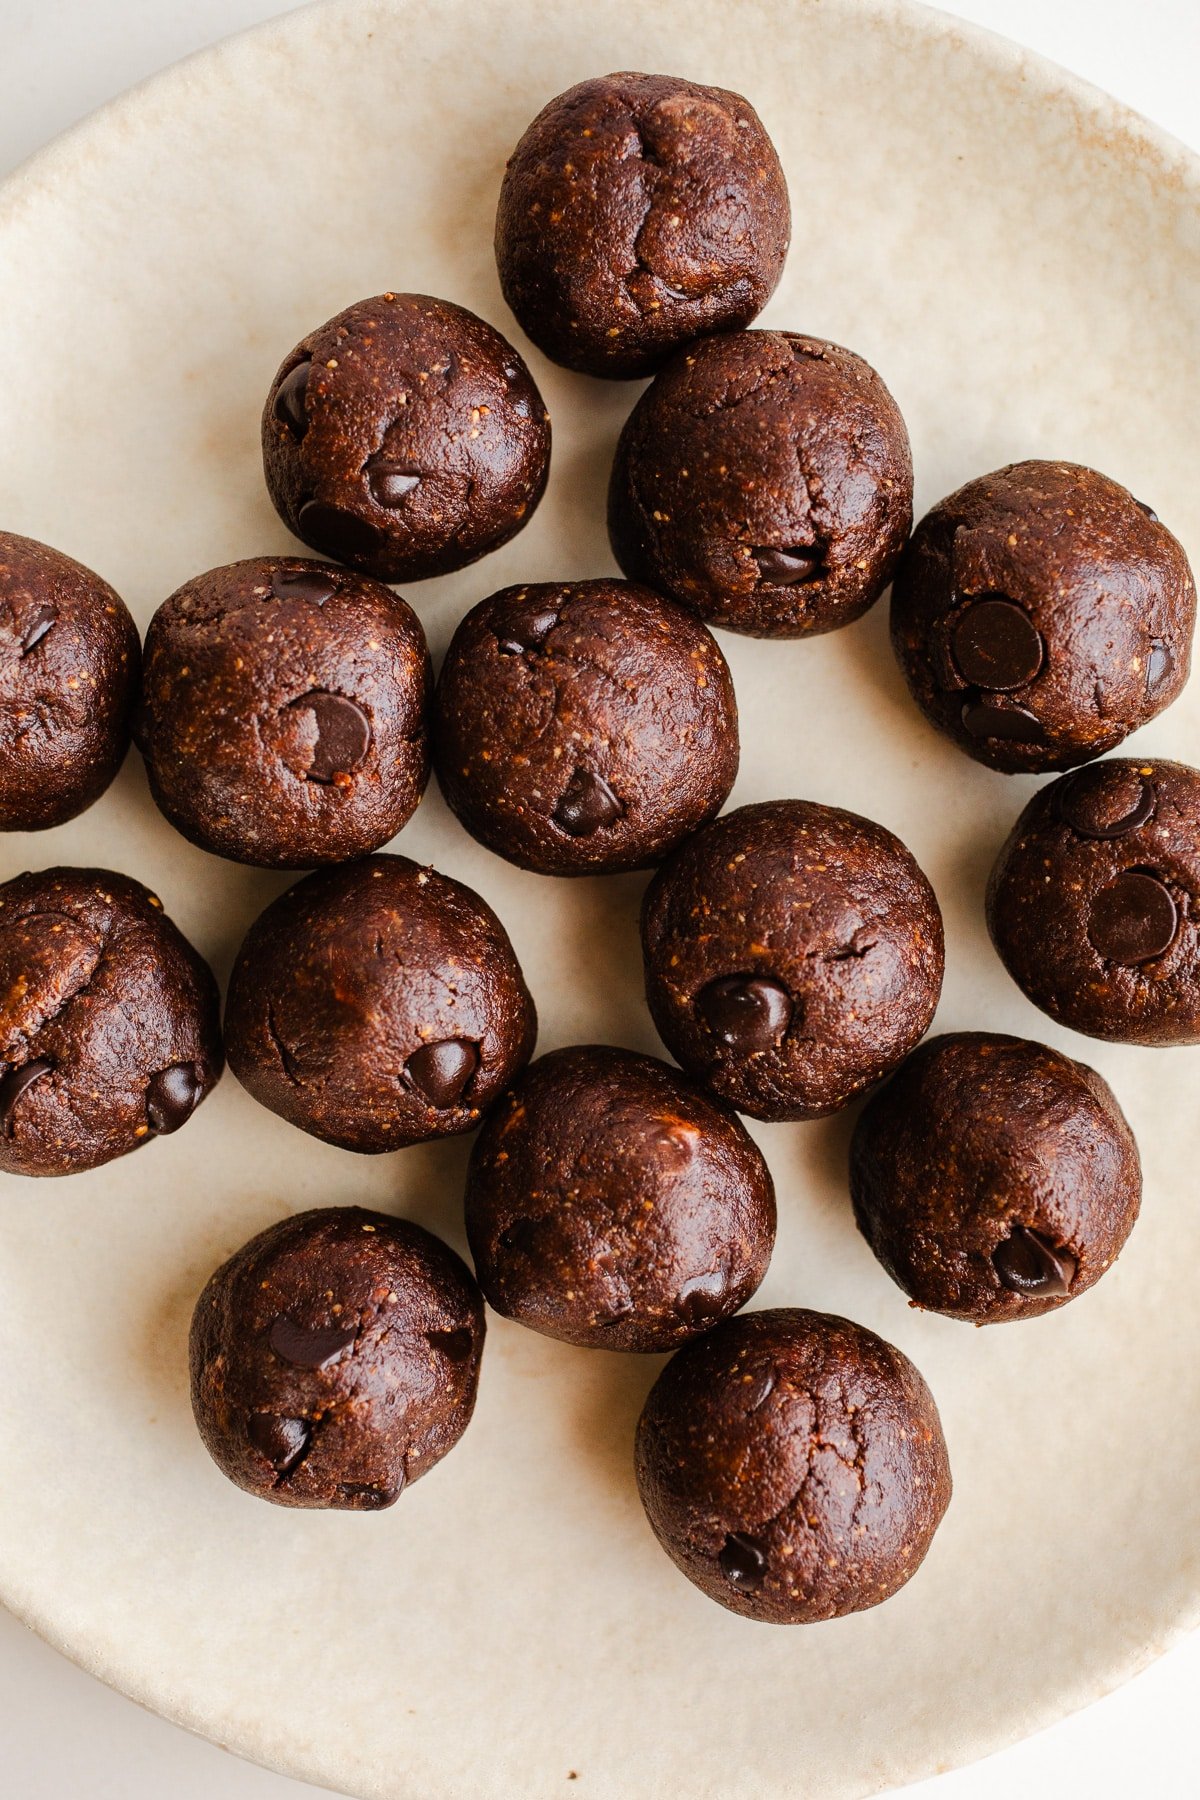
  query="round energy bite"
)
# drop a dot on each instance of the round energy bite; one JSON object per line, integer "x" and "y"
{"x": 636, "y": 213}
{"x": 283, "y": 712}
{"x": 792, "y": 1465}
{"x": 335, "y": 1358}
{"x": 1041, "y": 614}
{"x": 109, "y": 1032}
{"x": 378, "y": 1004}
{"x": 993, "y": 1178}
{"x": 584, "y": 727}
{"x": 1094, "y": 901}
{"x": 69, "y": 655}
{"x": 793, "y": 956}
{"x": 405, "y": 438}
{"x": 765, "y": 480}
{"x": 612, "y": 1204}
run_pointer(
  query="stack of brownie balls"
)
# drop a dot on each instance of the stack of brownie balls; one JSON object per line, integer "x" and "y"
{"x": 791, "y": 1463}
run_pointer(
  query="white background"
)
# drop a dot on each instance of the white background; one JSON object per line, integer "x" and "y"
{"x": 62, "y": 1734}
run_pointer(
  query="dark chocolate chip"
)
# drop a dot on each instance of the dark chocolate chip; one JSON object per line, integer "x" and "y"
{"x": 520, "y": 1236}
{"x": 1148, "y": 510}
{"x": 310, "y": 1346}
{"x": 289, "y": 399}
{"x": 760, "y": 1391}
{"x": 787, "y": 568}
{"x": 441, "y": 1072}
{"x": 302, "y": 584}
{"x": 519, "y": 635}
{"x": 171, "y": 1097}
{"x": 1028, "y": 1263}
{"x": 1159, "y": 664}
{"x": 1133, "y": 919}
{"x": 40, "y": 622}
{"x": 743, "y": 1561}
{"x": 587, "y": 805}
{"x": 343, "y": 734}
{"x": 749, "y": 1013}
{"x": 341, "y": 534}
{"x": 390, "y": 482}
{"x": 702, "y": 1297}
{"x": 361, "y": 1496}
{"x": 1102, "y": 802}
{"x": 456, "y": 1344}
{"x": 984, "y": 719}
{"x": 14, "y": 1084}
{"x": 996, "y": 646}
{"x": 283, "y": 1441}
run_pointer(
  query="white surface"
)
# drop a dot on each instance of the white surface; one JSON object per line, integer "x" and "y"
{"x": 56, "y": 1723}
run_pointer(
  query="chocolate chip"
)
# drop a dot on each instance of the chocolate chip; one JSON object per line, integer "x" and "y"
{"x": 787, "y": 568}
{"x": 519, "y": 635}
{"x": 283, "y": 1441}
{"x": 289, "y": 399}
{"x": 996, "y": 645}
{"x": 520, "y": 1236}
{"x": 343, "y": 734}
{"x": 302, "y": 584}
{"x": 1028, "y": 1263}
{"x": 362, "y": 1496}
{"x": 984, "y": 719}
{"x": 702, "y": 1297}
{"x": 749, "y": 1013}
{"x": 1148, "y": 510}
{"x": 1104, "y": 802}
{"x": 1159, "y": 664}
{"x": 38, "y": 624}
{"x": 341, "y": 534}
{"x": 13, "y": 1085}
{"x": 456, "y": 1344}
{"x": 587, "y": 805}
{"x": 441, "y": 1072}
{"x": 389, "y": 482}
{"x": 171, "y": 1097}
{"x": 310, "y": 1346}
{"x": 761, "y": 1391}
{"x": 743, "y": 1561}
{"x": 1133, "y": 919}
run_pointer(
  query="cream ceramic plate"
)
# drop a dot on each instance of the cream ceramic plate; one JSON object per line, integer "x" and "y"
{"x": 1020, "y": 260}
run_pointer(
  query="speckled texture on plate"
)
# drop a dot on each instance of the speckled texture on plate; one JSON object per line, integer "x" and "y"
{"x": 963, "y": 198}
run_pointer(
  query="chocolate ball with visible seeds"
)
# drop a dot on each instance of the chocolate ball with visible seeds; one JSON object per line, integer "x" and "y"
{"x": 612, "y": 1204}
{"x": 405, "y": 438}
{"x": 335, "y": 1358}
{"x": 378, "y": 1004}
{"x": 636, "y": 213}
{"x": 765, "y": 480}
{"x": 1041, "y": 614}
{"x": 584, "y": 727}
{"x": 793, "y": 956}
{"x": 109, "y": 1021}
{"x": 1094, "y": 902}
{"x": 69, "y": 655}
{"x": 792, "y": 1465}
{"x": 994, "y": 1178}
{"x": 283, "y": 713}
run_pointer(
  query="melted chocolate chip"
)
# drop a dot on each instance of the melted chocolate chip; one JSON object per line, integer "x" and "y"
{"x": 13, "y": 1085}
{"x": 171, "y": 1097}
{"x": 984, "y": 719}
{"x": 1159, "y": 664}
{"x": 283, "y": 1441}
{"x": 749, "y": 1013}
{"x": 341, "y": 534}
{"x": 1097, "y": 805}
{"x": 520, "y": 1236}
{"x": 390, "y": 482}
{"x": 343, "y": 734}
{"x": 702, "y": 1297}
{"x": 456, "y": 1344}
{"x": 996, "y": 646}
{"x": 519, "y": 635}
{"x": 302, "y": 584}
{"x": 1028, "y": 1263}
{"x": 289, "y": 399}
{"x": 39, "y": 623}
{"x": 787, "y": 568}
{"x": 310, "y": 1346}
{"x": 441, "y": 1072}
{"x": 743, "y": 1561}
{"x": 1133, "y": 919}
{"x": 1148, "y": 510}
{"x": 588, "y": 805}
{"x": 760, "y": 1391}
{"x": 361, "y": 1496}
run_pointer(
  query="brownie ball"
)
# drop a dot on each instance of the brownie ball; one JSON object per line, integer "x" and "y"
{"x": 993, "y": 1178}
{"x": 335, "y": 1359}
{"x": 584, "y": 727}
{"x": 405, "y": 438}
{"x": 793, "y": 956}
{"x": 1094, "y": 901}
{"x": 636, "y": 213}
{"x": 68, "y": 677}
{"x": 378, "y": 1004}
{"x": 109, "y": 1032}
{"x": 283, "y": 712}
{"x": 611, "y": 1203}
{"x": 792, "y": 1464}
{"x": 1041, "y": 614}
{"x": 765, "y": 480}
